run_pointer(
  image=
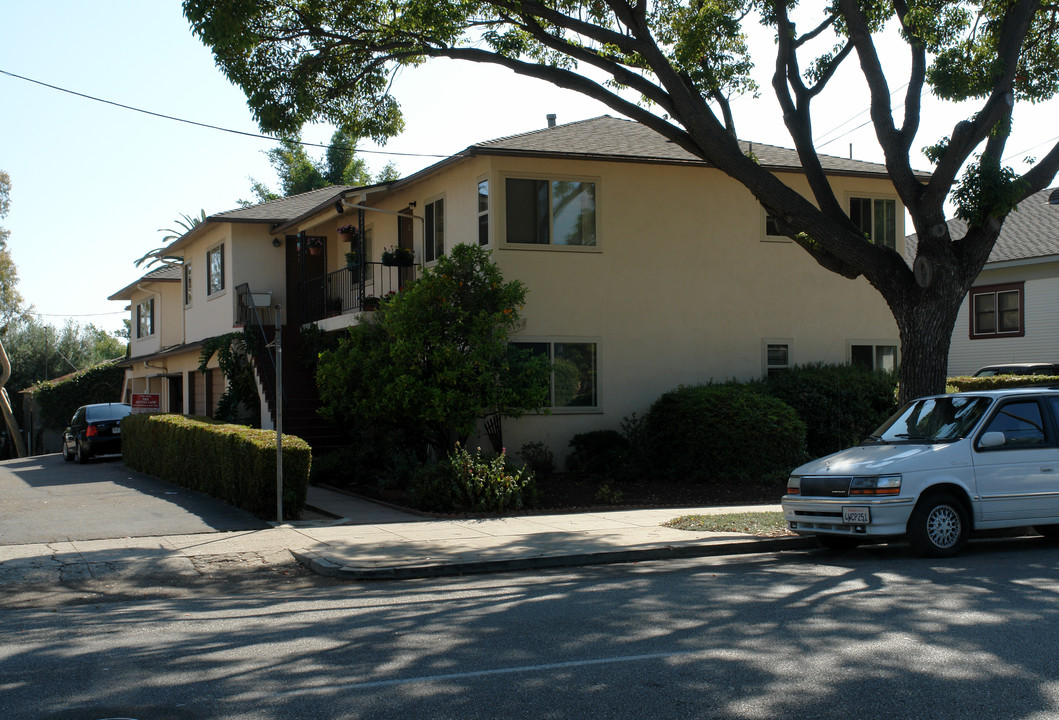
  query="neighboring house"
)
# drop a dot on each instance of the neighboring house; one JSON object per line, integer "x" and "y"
{"x": 1012, "y": 312}
{"x": 646, "y": 269}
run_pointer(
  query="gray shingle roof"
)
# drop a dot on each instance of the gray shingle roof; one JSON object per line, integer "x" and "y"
{"x": 283, "y": 209}
{"x": 612, "y": 138}
{"x": 1031, "y": 231}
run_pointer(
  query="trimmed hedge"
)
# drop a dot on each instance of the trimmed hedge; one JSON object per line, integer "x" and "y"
{"x": 707, "y": 433}
{"x": 998, "y": 382}
{"x": 232, "y": 463}
{"x": 839, "y": 404}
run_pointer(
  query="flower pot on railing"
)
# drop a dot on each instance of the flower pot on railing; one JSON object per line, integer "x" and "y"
{"x": 371, "y": 303}
{"x": 398, "y": 257}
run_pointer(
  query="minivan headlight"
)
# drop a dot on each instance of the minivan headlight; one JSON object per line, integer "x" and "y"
{"x": 876, "y": 485}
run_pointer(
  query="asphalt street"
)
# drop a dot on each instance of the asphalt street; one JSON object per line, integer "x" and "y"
{"x": 44, "y": 499}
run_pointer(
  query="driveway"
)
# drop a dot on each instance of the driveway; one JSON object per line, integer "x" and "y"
{"x": 44, "y": 499}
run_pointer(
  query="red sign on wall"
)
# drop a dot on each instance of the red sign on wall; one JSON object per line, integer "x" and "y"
{"x": 146, "y": 402}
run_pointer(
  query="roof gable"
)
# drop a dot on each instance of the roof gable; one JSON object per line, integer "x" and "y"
{"x": 1029, "y": 231}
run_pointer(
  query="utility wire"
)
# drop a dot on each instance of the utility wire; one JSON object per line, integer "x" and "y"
{"x": 256, "y": 136}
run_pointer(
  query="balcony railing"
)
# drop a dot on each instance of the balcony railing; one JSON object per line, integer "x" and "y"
{"x": 342, "y": 291}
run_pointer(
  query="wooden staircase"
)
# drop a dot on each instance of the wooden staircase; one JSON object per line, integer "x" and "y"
{"x": 300, "y": 415}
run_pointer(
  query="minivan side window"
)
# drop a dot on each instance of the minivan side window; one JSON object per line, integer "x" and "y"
{"x": 1021, "y": 423}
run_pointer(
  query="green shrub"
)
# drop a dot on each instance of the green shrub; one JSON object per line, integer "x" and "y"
{"x": 538, "y": 458}
{"x": 708, "y": 433}
{"x": 232, "y": 463}
{"x": 59, "y": 401}
{"x": 839, "y": 404}
{"x": 998, "y": 382}
{"x": 472, "y": 483}
{"x": 598, "y": 452}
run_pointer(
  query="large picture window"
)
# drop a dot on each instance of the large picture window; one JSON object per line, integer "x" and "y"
{"x": 215, "y": 268}
{"x": 574, "y": 378}
{"x": 997, "y": 311}
{"x": 550, "y": 212}
{"x": 876, "y": 218}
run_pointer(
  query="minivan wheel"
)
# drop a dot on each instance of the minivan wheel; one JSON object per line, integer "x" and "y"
{"x": 938, "y": 526}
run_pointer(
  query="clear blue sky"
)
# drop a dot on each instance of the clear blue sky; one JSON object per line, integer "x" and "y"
{"x": 93, "y": 183}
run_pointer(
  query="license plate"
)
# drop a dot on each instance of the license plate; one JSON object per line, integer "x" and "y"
{"x": 856, "y": 515}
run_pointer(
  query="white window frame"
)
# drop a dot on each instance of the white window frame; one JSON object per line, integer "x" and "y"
{"x": 210, "y": 292}
{"x": 875, "y": 345}
{"x": 429, "y": 242}
{"x": 768, "y": 342}
{"x": 501, "y": 220}
{"x": 149, "y": 302}
{"x": 898, "y": 215}
{"x": 765, "y": 235}
{"x": 186, "y": 284}
{"x": 551, "y": 341}
{"x": 484, "y": 213}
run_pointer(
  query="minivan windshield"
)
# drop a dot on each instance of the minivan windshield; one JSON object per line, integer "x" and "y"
{"x": 940, "y": 419}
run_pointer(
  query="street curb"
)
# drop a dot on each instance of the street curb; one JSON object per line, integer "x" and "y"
{"x": 329, "y": 568}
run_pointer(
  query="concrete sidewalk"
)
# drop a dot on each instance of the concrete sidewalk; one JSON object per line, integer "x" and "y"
{"x": 386, "y": 543}
{"x": 353, "y": 538}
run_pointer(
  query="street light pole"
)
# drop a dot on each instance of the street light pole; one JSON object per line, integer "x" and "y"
{"x": 279, "y": 415}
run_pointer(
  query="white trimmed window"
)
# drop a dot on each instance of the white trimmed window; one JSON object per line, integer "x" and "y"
{"x": 770, "y": 232}
{"x": 550, "y": 212}
{"x": 574, "y": 381}
{"x": 874, "y": 356}
{"x": 483, "y": 212}
{"x": 876, "y": 218}
{"x": 215, "y": 270}
{"x": 776, "y": 356}
{"x": 434, "y": 232}
{"x": 187, "y": 284}
{"x": 145, "y": 318}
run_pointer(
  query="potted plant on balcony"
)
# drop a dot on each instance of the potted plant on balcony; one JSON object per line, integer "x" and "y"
{"x": 398, "y": 257}
{"x": 315, "y": 245}
{"x": 371, "y": 303}
{"x": 348, "y": 233}
{"x": 352, "y": 261}
{"x": 334, "y": 306}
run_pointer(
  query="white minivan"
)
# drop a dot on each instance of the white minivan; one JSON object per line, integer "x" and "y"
{"x": 939, "y": 469}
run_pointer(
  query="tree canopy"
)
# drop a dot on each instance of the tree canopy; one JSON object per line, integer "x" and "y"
{"x": 675, "y": 65}
{"x": 12, "y": 306}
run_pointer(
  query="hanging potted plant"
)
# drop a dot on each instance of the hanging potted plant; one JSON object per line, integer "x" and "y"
{"x": 315, "y": 245}
{"x": 398, "y": 257}
{"x": 348, "y": 233}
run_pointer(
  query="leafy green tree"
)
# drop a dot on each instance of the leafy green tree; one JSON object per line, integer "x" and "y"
{"x": 185, "y": 224}
{"x": 298, "y": 173}
{"x": 12, "y": 306}
{"x": 436, "y": 358}
{"x": 333, "y": 60}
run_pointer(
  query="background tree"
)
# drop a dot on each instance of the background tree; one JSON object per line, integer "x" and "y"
{"x": 332, "y": 60}
{"x": 299, "y": 173}
{"x": 436, "y": 359}
{"x": 12, "y": 306}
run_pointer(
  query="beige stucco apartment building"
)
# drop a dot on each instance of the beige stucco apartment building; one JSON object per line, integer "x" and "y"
{"x": 646, "y": 268}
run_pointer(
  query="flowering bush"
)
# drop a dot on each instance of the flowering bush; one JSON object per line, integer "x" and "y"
{"x": 473, "y": 483}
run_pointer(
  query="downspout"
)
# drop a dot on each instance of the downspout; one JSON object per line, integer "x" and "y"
{"x": 5, "y": 404}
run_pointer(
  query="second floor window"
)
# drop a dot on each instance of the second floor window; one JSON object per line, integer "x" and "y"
{"x": 215, "y": 269}
{"x": 145, "y": 318}
{"x": 550, "y": 212}
{"x": 187, "y": 283}
{"x": 876, "y": 218}
{"x": 483, "y": 212}
{"x": 434, "y": 234}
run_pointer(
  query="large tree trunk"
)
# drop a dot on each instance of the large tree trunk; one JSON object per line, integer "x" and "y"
{"x": 925, "y": 327}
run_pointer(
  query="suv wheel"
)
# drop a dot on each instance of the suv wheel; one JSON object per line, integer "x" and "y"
{"x": 938, "y": 526}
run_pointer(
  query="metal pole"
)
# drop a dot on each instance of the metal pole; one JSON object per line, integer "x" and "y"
{"x": 279, "y": 417}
